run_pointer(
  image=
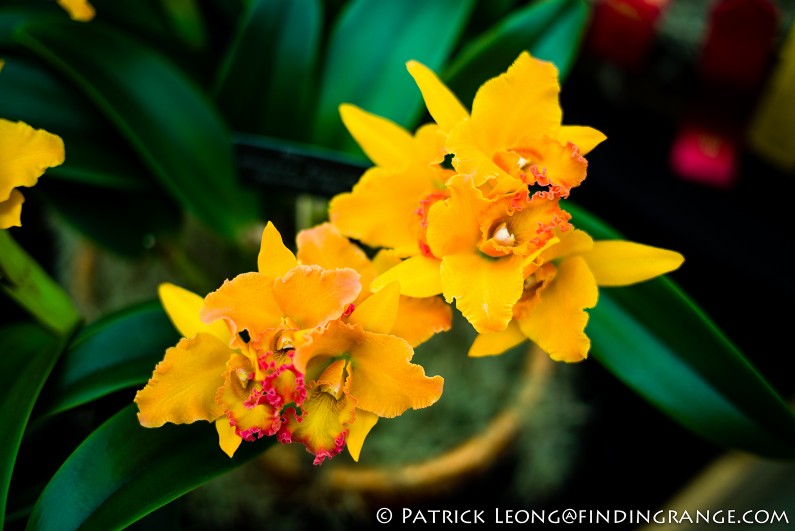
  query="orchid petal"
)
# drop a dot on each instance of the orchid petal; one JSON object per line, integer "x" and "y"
{"x": 497, "y": 342}
{"x": 442, "y": 104}
{"x": 183, "y": 386}
{"x": 274, "y": 259}
{"x": 557, "y": 322}
{"x": 183, "y": 307}
{"x": 620, "y": 263}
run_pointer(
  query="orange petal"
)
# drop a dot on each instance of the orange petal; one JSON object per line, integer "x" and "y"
{"x": 247, "y": 302}
{"x": 620, "y": 263}
{"x": 429, "y": 144}
{"x": 522, "y": 101}
{"x": 378, "y": 311}
{"x": 228, "y": 440}
{"x": 485, "y": 289}
{"x": 323, "y": 245}
{"x": 471, "y": 159}
{"x": 183, "y": 386}
{"x": 25, "y": 153}
{"x": 383, "y": 379}
{"x": 498, "y": 342}
{"x": 442, "y": 104}
{"x": 311, "y": 295}
{"x": 385, "y": 143}
{"x": 419, "y": 319}
{"x": 453, "y": 225}
{"x": 274, "y": 259}
{"x": 11, "y": 210}
{"x": 183, "y": 307}
{"x": 557, "y": 322}
{"x": 358, "y": 432}
{"x": 418, "y": 276}
{"x": 561, "y": 166}
{"x": 312, "y": 357}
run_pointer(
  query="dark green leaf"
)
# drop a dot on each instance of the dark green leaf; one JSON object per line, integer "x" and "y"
{"x": 266, "y": 81}
{"x": 122, "y": 472}
{"x": 29, "y": 353}
{"x": 95, "y": 153}
{"x": 549, "y": 29}
{"x": 113, "y": 353}
{"x": 367, "y": 52}
{"x": 655, "y": 339}
{"x": 166, "y": 118}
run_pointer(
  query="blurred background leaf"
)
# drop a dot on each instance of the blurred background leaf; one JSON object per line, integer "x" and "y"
{"x": 266, "y": 83}
{"x": 189, "y": 149}
{"x": 548, "y": 29}
{"x": 366, "y": 55}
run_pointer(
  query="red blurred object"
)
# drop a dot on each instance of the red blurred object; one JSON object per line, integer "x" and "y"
{"x": 704, "y": 155}
{"x": 623, "y": 31}
{"x": 739, "y": 43}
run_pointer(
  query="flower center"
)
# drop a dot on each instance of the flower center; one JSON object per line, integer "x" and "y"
{"x": 502, "y": 235}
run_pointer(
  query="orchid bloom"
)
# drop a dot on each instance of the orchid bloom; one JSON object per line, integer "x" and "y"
{"x": 213, "y": 374}
{"x": 311, "y": 367}
{"x": 384, "y": 209}
{"x": 25, "y": 153}
{"x": 562, "y": 282}
{"x": 80, "y": 10}
{"x": 514, "y": 134}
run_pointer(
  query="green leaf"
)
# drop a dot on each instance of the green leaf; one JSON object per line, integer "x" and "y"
{"x": 29, "y": 353}
{"x": 111, "y": 354}
{"x": 266, "y": 81}
{"x": 162, "y": 114}
{"x": 123, "y": 471}
{"x": 367, "y": 52}
{"x": 655, "y": 339}
{"x": 549, "y": 29}
{"x": 25, "y": 282}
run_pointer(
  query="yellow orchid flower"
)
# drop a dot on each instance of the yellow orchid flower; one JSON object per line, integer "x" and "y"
{"x": 214, "y": 374}
{"x": 562, "y": 282}
{"x": 25, "y": 153}
{"x": 356, "y": 372}
{"x": 484, "y": 246}
{"x": 80, "y": 10}
{"x": 514, "y": 134}
{"x": 415, "y": 319}
{"x": 407, "y": 172}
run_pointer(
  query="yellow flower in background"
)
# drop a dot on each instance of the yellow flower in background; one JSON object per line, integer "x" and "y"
{"x": 80, "y": 10}
{"x": 384, "y": 209}
{"x": 561, "y": 284}
{"x": 514, "y": 135}
{"x": 25, "y": 153}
